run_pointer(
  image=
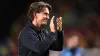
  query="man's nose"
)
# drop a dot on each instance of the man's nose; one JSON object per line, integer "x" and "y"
{"x": 47, "y": 17}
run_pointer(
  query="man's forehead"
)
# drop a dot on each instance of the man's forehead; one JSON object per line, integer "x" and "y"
{"x": 46, "y": 10}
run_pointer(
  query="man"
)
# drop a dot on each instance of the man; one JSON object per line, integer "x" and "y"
{"x": 36, "y": 41}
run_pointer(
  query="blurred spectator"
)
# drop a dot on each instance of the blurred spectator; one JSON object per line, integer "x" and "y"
{"x": 72, "y": 46}
{"x": 94, "y": 51}
{"x": 4, "y": 48}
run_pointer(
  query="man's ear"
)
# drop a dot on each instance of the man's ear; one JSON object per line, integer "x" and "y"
{"x": 35, "y": 14}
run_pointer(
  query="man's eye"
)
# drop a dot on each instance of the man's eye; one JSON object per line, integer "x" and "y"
{"x": 46, "y": 13}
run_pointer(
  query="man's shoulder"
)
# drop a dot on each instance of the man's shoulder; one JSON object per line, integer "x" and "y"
{"x": 26, "y": 34}
{"x": 26, "y": 31}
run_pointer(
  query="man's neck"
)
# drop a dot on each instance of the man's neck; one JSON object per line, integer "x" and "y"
{"x": 36, "y": 24}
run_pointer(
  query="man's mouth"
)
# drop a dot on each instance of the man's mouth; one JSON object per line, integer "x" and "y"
{"x": 45, "y": 19}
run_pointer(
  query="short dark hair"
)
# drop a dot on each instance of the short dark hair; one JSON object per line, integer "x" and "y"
{"x": 37, "y": 7}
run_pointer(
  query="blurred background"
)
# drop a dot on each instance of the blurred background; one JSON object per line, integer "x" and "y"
{"x": 81, "y": 18}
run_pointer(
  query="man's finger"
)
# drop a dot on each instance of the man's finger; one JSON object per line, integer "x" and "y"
{"x": 60, "y": 18}
{"x": 59, "y": 24}
{"x": 52, "y": 18}
{"x": 52, "y": 26}
{"x": 57, "y": 20}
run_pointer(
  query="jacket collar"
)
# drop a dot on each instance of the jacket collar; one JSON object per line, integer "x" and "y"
{"x": 32, "y": 26}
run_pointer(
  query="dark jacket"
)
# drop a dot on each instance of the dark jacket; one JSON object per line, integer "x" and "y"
{"x": 35, "y": 42}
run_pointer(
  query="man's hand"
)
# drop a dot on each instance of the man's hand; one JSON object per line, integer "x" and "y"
{"x": 52, "y": 26}
{"x": 59, "y": 23}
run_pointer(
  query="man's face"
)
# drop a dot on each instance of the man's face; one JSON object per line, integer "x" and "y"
{"x": 43, "y": 16}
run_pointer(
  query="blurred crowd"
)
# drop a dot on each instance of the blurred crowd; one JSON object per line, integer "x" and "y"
{"x": 81, "y": 23}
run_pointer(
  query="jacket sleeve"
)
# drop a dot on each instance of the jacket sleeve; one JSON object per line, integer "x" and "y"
{"x": 31, "y": 41}
{"x": 57, "y": 45}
